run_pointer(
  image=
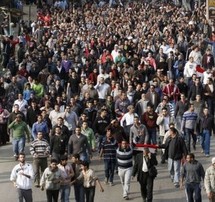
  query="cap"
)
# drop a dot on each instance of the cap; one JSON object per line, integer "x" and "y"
{"x": 213, "y": 160}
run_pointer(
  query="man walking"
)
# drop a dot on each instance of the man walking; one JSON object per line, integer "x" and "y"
{"x": 108, "y": 150}
{"x": 189, "y": 121}
{"x": 191, "y": 174}
{"x": 124, "y": 162}
{"x": 19, "y": 129}
{"x": 206, "y": 125}
{"x": 22, "y": 176}
{"x": 67, "y": 174}
{"x": 144, "y": 167}
{"x": 40, "y": 151}
{"x": 210, "y": 181}
{"x": 78, "y": 144}
{"x": 175, "y": 150}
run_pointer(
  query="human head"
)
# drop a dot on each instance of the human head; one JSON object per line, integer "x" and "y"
{"x": 78, "y": 130}
{"x": 40, "y": 135}
{"x": 124, "y": 144}
{"x": 190, "y": 157}
{"x": 173, "y": 132}
{"x": 75, "y": 158}
{"x": 84, "y": 165}
{"x": 205, "y": 111}
{"x": 191, "y": 107}
{"x": 21, "y": 158}
{"x": 19, "y": 117}
{"x": 53, "y": 164}
{"x": 63, "y": 160}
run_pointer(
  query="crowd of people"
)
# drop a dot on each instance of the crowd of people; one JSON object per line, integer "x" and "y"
{"x": 97, "y": 77}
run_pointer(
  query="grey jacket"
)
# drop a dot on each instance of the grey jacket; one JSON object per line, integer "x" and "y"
{"x": 209, "y": 181}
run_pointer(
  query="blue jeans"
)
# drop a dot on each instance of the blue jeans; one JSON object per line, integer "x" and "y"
{"x": 110, "y": 165}
{"x": 65, "y": 193}
{"x": 206, "y": 139}
{"x": 79, "y": 192}
{"x": 18, "y": 145}
{"x": 174, "y": 169}
{"x": 152, "y": 136}
{"x": 193, "y": 189}
{"x": 84, "y": 156}
{"x": 100, "y": 140}
{"x": 188, "y": 134}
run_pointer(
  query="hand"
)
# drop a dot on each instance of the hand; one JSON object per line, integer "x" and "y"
{"x": 113, "y": 121}
{"x": 210, "y": 195}
{"x": 14, "y": 184}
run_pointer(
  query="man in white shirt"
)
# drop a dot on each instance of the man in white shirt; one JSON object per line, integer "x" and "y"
{"x": 22, "y": 177}
{"x": 115, "y": 53}
{"x": 103, "y": 90}
{"x": 55, "y": 114}
{"x": 23, "y": 104}
{"x": 189, "y": 68}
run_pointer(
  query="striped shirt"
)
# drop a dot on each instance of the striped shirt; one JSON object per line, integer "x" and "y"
{"x": 124, "y": 157}
{"x": 189, "y": 120}
{"x": 40, "y": 148}
{"x": 109, "y": 148}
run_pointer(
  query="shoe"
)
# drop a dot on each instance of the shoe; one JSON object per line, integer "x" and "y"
{"x": 126, "y": 197}
{"x": 106, "y": 181}
{"x": 177, "y": 186}
{"x": 37, "y": 185}
{"x": 194, "y": 146}
{"x": 207, "y": 155}
{"x": 16, "y": 157}
{"x": 111, "y": 184}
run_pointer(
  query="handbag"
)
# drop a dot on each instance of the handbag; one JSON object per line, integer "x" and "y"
{"x": 153, "y": 172}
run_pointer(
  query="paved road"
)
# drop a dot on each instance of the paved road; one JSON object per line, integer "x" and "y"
{"x": 164, "y": 190}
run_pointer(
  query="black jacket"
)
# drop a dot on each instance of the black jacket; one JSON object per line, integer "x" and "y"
{"x": 137, "y": 169}
{"x": 179, "y": 148}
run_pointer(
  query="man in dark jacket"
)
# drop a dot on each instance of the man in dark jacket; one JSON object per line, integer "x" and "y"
{"x": 175, "y": 150}
{"x": 206, "y": 127}
{"x": 144, "y": 164}
{"x": 191, "y": 174}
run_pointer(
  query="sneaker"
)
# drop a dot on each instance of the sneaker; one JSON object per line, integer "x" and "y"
{"x": 111, "y": 184}
{"x": 126, "y": 197}
{"x": 37, "y": 185}
{"x": 177, "y": 186}
{"x": 194, "y": 146}
{"x": 207, "y": 155}
{"x": 106, "y": 181}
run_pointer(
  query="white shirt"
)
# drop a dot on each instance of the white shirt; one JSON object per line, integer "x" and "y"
{"x": 128, "y": 118}
{"x": 189, "y": 69}
{"x": 22, "y": 181}
{"x": 54, "y": 115}
{"x": 103, "y": 90}
{"x": 144, "y": 167}
{"x": 22, "y": 105}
